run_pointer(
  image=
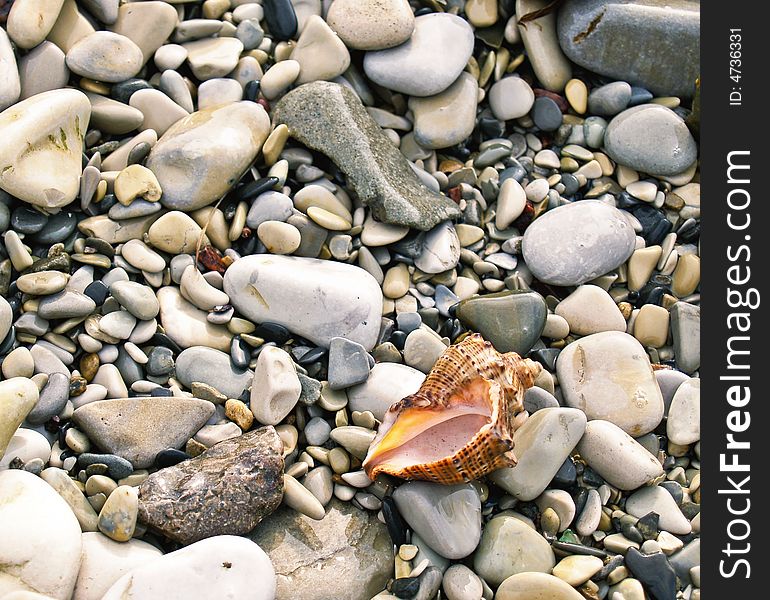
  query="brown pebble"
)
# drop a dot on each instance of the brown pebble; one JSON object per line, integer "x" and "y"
{"x": 239, "y": 413}
{"x": 194, "y": 448}
{"x": 77, "y": 385}
{"x": 89, "y": 365}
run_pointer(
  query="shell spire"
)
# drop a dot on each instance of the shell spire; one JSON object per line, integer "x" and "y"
{"x": 459, "y": 425}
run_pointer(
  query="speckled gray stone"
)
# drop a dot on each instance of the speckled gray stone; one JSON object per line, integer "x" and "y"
{"x": 651, "y": 43}
{"x": 652, "y": 139}
{"x": 330, "y": 118}
{"x": 227, "y": 490}
{"x": 577, "y": 242}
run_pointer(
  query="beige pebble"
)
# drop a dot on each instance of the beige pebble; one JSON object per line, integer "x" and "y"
{"x": 298, "y": 497}
{"x": 136, "y": 181}
{"x": 175, "y": 233}
{"x": 468, "y": 234}
{"x": 376, "y": 233}
{"x": 651, "y": 325}
{"x": 396, "y": 282}
{"x": 279, "y": 237}
{"x": 18, "y": 363}
{"x": 316, "y": 195}
{"x": 577, "y": 95}
{"x": 643, "y": 190}
{"x": 321, "y": 54}
{"x": 30, "y": 21}
{"x": 481, "y": 13}
{"x": 217, "y": 229}
{"x": 556, "y": 327}
{"x": 141, "y": 256}
{"x": 42, "y": 283}
{"x": 239, "y": 413}
{"x": 278, "y": 78}
{"x": 275, "y": 143}
{"x": 327, "y": 220}
{"x": 117, "y": 519}
{"x": 686, "y": 275}
{"x": 577, "y": 569}
{"x": 591, "y": 170}
{"x": 511, "y": 201}
{"x": 641, "y": 266}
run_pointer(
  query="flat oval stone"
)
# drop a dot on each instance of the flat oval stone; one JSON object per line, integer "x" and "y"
{"x": 427, "y": 63}
{"x": 213, "y": 57}
{"x": 541, "y": 445}
{"x": 316, "y": 299}
{"x": 447, "y": 118}
{"x": 510, "y": 546}
{"x": 608, "y": 376}
{"x": 652, "y": 139}
{"x": 203, "y": 155}
{"x": 577, "y": 242}
{"x": 371, "y": 24}
{"x": 200, "y": 569}
{"x": 447, "y": 518}
{"x": 634, "y": 42}
{"x": 511, "y": 320}
{"x": 30, "y": 21}
{"x": 105, "y": 56}
{"x": 42, "y": 146}
{"x": 510, "y": 98}
{"x": 617, "y": 457}
{"x": 136, "y": 298}
{"x": 657, "y": 499}
{"x": 187, "y": 325}
{"x": 214, "y": 368}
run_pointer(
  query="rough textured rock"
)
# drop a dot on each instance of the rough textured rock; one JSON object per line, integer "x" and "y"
{"x": 138, "y": 428}
{"x": 226, "y": 490}
{"x": 651, "y": 43}
{"x": 330, "y": 118}
{"x": 348, "y": 555}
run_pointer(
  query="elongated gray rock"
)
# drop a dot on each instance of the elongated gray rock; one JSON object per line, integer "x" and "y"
{"x": 228, "y": 489}
{"x": 651, "y": 43}
{"x": 330, "y": 118}
{"x": 138, "y": 428}
{"x": 316, "y": 299}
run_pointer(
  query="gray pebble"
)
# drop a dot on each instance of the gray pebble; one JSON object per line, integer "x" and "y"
{"x": 52, "y": 399}
{"x": 348, "y": 363}
{"x": 608, "y": 100}
{"x": 546, "y": 114}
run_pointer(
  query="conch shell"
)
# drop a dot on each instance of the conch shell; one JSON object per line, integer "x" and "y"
{"x": 459, "y": 425}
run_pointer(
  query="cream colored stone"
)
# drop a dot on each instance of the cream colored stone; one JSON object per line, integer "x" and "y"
{"x": 511, "y": 201}
{"x": 396, "y": 282}
{"x": 577, "y": 569}
{"x": 278, "y": 78}
{"x": 30, "y": 21}
{"x": 41, "y": 153}
{"x": 577, "y": 95}
{"x": 327, "y": 219}
{"x": 319, "y": 196}
{"x": 651, "y": 326}
{"x": 213, "y": 57}
{"x": 105, "y": 56}
{"x": 447, "y": 118}
{"x": 176, "y": 233}
{"x": 147, "y": 24}
{"x": 539, "y": 36}
{"x": 641, "y": 266}
{"x": 279, "y": 237}
{"x": 70, "y": 27}
{"x": 590, "y": 309}
{"x": 160, "y": 112}
{"x": 187, "y": 325}
{"x": 686, "y": 275}
{"x": 535, "y": 586}
{"x": 320, "y": 53}
{"x": 136, "y": 181}
{"x": 371, "y": 24}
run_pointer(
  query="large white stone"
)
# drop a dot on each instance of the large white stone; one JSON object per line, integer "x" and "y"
{"x": 683, "y": 424}
{"x": 41, "y": 153}
{"x": 314, "y": 298}
{"x": 429, "y": 61}
{"x": 187, "y": 325}
{"x": 387, "y": 383}
{"x": 26, "y": 444}
{"x": 541, "y": 445}
{"x": 10, "y": 84}
{"x": 223, "y": 566}
{"x": 104, "y": 561}
{"x": 617, "y": 457}
{"x": 40, "y": 542}
{"x": 608, "y": 376}
{"x": 204, "y": 154}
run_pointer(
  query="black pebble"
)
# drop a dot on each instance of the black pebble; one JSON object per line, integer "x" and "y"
{"x": 393, "y": 521}
{"x": 566, "y": 476}
{"x": 648, "y": 526}
{"x": 170, "y": 457}
{"x": 97, "y": 291}
{"x": 580, "y": 497}
{"x": 406, "y": 587}
{"x": 655, "y": 573}
{"x": 26, "y": 220}
{"x": 592, "y": 478}
{"x": 255, "y": 188}
{"x": 281, "y": 19}
{"x": 251, "y": 91}
{"x": 398, "y": 339}
{"x": 312, "y": 355}
{"x": 546, "y": 357}
{"x": 161, "y": 392}
{"x": 272, "y": 332}
{"x": 123, "y": 91}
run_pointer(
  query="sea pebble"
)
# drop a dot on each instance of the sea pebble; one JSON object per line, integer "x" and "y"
{"x": 205, "y": 568}
{"x": 427, "y": 63}
{"x": 276, "y": 387}
{"x": 371, "y": 24}
{"x": 608, "y": 376}
{"x": 387, "y": 383}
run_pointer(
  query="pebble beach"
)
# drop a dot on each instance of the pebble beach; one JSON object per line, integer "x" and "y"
{"x": 349, "y": 300}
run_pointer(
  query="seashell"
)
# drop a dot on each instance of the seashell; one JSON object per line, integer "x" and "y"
{"x": 459, "y": 425}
